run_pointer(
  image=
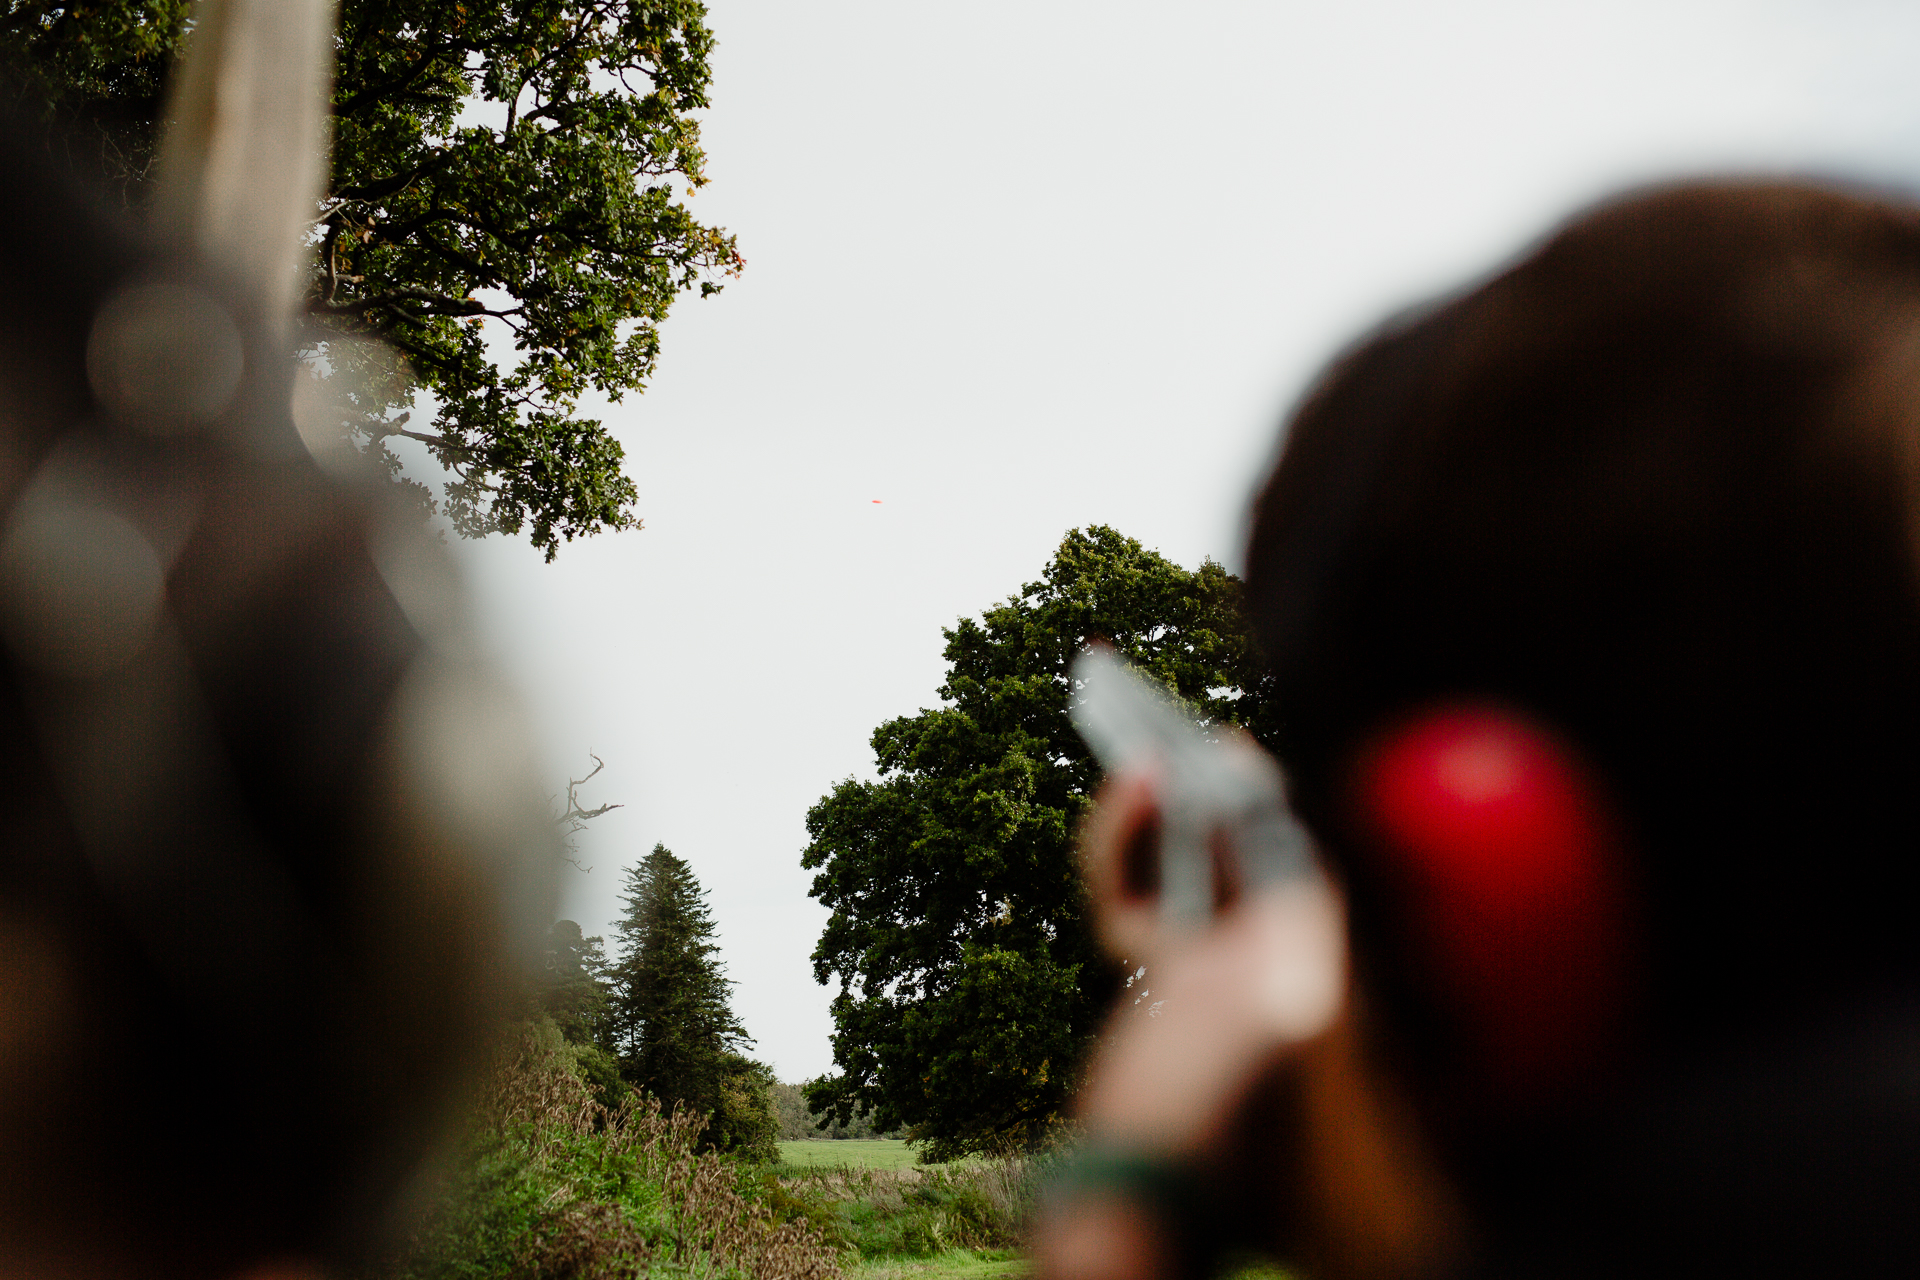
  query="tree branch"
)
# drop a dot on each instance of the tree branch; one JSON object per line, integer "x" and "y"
{"x": 384, "y": 430}
{"x": 574, "y": 816}
{"x": 435, "y": 304}
{"x": 394, "y": 182}
{"x": 398, "y": 84}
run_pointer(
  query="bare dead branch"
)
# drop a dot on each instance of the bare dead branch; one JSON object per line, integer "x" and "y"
{"x": 575, "y": 818}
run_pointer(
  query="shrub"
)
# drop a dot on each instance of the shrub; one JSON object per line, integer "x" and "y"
{"x": 917, "y": 1212}
{"x": 554, "y": 1184}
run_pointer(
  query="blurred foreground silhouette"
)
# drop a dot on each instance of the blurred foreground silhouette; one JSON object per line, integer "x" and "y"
{"x": 270, "y": 851}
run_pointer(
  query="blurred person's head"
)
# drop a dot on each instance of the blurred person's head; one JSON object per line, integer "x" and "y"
{"x": 247, "y": 948}
{"x": 1643, "y": 507}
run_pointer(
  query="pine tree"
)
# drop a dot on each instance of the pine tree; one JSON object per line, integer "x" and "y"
{"x": 672, "y": 1020}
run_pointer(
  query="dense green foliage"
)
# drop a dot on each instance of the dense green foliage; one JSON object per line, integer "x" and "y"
{"x": 796, "y": 1118}
{"x": 514, "y": 161}
{"x": 572, "y": 992}
{"x": 671, "y": 1015}
{"x": 970, "y": 982}
{"x": 963, "y": 1214}
{"x": 506, "y": 174}
{"x": 553, "y": 1184}
{"x": 97, "y": 71}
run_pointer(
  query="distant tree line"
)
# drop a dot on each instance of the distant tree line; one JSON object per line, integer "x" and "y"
{"x": 798, "y": 1119}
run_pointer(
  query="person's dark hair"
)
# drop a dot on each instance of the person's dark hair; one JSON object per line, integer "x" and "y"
{"x": 1655, "y": 488}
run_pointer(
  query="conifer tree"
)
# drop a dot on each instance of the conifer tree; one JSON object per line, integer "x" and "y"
{"x": 572, "y": 990}
{"x": 672, "y": 1018}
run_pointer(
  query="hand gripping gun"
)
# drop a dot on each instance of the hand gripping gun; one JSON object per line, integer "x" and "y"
{"x": 1223, "y": 801}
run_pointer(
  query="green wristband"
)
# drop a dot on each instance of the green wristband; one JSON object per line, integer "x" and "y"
{"x": 1149, "y": 1181}
{"x": 1166, "y": 1189}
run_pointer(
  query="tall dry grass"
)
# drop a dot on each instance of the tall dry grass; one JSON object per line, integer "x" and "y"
{"x": 560, "y": 1186}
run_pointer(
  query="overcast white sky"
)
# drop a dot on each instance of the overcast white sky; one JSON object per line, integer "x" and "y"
{"x": 1020, "y": 265}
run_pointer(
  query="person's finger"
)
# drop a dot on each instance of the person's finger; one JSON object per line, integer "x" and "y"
{"x": 1120, "y": 858}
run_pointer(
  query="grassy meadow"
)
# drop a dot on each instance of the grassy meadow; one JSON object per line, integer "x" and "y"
{"x": 892, "y": 1218}
{"x": 851, "y": 1153}
{"x": 555, "y": 1184}
{"x": 955, "y": 1264}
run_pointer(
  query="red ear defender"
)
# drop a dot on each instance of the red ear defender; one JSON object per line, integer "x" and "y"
{"x": 1505, "y": 856}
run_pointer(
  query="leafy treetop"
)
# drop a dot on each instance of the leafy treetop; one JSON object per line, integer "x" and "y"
{"x": 503, "y": 215}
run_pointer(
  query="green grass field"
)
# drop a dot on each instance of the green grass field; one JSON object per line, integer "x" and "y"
{"x": 848, "y": 1153}
{"x": 955, "y": 1264}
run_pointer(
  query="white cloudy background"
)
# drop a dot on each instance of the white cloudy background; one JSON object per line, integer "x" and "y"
{"x": 1020, "y": 265}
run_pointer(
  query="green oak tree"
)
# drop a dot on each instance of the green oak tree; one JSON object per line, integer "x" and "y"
{"x": 672, "y": 1018}
{"x": 507, "y": 217}
{"x": 970, "y": 985}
